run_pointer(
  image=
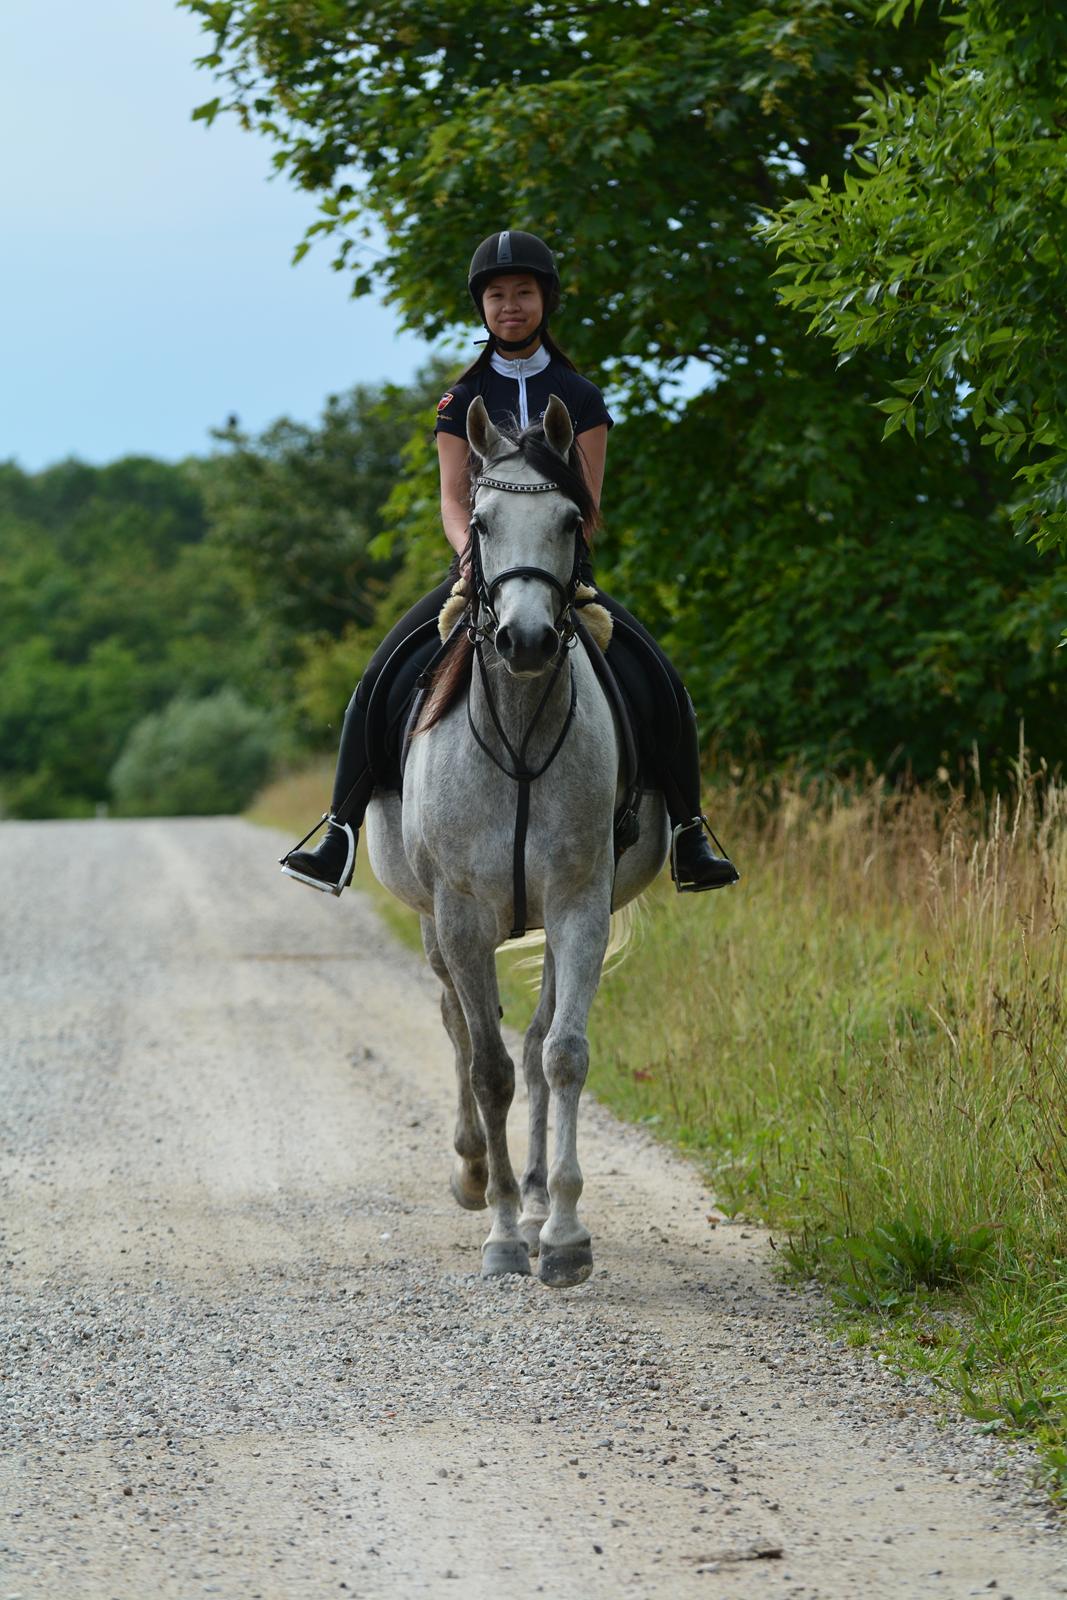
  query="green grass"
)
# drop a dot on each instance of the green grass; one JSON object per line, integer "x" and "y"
{"x": 865, "y": 1043}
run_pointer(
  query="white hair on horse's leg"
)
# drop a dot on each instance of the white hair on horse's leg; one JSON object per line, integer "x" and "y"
{"x": 624, "y": 926}
{"x": 533, "y": 964}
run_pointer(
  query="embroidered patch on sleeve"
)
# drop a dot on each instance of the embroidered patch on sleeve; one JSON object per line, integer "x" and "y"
{"x": 445, "y": 400}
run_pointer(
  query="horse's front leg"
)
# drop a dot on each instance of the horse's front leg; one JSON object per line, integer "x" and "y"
{"x": 535, "y": 1177}
{"x": 466, "y": 942}
{"x": 579, "y": 939}
{"x": 469, "y": 1175}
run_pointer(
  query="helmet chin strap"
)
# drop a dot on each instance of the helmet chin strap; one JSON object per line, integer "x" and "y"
{"x": 516, "y": 344}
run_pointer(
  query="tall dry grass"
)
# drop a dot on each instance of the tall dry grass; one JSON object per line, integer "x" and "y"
{"x": 874, "y": 1018}
{"x": 866, "y": 1042}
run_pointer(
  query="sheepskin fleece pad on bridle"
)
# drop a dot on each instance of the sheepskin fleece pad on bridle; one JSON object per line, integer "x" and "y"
{"x": 595, "y": 617}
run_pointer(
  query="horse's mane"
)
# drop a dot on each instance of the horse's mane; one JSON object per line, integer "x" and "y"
{"x": 529, "y": 445}
{"x": 449, "y": 681}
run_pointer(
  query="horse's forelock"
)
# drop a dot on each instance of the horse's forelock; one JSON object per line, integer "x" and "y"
{"x": 531, "y": 446}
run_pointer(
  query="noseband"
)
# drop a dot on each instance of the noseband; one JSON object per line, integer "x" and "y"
{"x": 485, "y": 591}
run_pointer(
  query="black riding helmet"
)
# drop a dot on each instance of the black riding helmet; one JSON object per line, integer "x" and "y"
{"x": 513, "y": 252}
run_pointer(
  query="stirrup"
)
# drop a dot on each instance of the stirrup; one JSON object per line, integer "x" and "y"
{"x": 691, "y": 887}
{"x": 318, "y": 883}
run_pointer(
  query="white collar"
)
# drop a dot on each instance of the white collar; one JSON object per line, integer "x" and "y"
{"x": 521, "y": 367}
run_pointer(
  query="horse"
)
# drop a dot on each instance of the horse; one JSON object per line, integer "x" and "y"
{"x": 453, "y": 844}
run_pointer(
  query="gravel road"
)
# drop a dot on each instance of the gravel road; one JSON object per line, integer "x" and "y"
{"x": 246, "y": 1351}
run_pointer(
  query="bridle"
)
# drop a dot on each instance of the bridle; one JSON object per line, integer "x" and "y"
{"x": 484, "y": 625}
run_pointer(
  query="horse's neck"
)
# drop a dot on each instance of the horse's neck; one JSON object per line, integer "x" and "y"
{"x": 516, "y": 701}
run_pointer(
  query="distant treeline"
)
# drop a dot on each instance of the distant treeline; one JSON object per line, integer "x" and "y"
{"x": 165, "y": 629}
{"x": 168, "y": 632}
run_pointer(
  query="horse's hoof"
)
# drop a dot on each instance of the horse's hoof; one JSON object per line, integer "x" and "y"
{"x": 501, "y": 1256}
{"x": 468, "y": 1188}
{"x": 564, "y": 1265}
{"x": 530, "y": 1228}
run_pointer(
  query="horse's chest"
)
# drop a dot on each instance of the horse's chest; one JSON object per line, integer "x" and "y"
{"x": 463, "y": 821}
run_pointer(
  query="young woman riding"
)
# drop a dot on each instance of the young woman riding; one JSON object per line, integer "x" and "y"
{"x": 515, "y": 287}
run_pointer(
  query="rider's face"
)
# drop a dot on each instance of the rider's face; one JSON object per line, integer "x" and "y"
{"x": 513, "y": 305}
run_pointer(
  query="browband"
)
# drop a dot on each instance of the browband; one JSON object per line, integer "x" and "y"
{"x": 515, "y": 488}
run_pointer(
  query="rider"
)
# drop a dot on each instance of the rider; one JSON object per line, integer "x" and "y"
{"x": 515, "y": 287}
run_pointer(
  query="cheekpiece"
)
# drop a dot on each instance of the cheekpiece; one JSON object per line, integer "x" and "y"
{"x": 514, "y": 488}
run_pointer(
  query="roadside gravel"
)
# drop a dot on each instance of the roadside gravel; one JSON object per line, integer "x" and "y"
{"x": 245, "y": 1348}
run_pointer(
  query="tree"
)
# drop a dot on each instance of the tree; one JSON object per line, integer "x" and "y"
{"x": 807, "y": 577}
{"x": 298, "y": 507}
{"x": 945, "y": 245}
{"x": 195, "y": 758}
{"x": 110, "y": 604}
{"x": 324, "y": 527}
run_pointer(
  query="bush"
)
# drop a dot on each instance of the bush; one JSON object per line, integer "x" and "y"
{"x": 195, "y": 757}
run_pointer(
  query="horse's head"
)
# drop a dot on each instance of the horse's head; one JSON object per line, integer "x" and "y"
{"x": 526, "y": 538}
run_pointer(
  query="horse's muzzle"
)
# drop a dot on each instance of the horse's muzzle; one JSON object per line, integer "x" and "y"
{"x": 526, "y": 650}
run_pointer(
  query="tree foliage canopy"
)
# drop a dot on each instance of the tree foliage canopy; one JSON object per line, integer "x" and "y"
{"x": 945, "y": 244}
{"x": 147, "y": 608}
{"x": 642, "y": 139}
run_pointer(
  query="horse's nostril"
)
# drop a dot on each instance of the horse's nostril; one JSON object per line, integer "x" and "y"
{"x": 503, "y": 641}
{"x": 549, "y": 642}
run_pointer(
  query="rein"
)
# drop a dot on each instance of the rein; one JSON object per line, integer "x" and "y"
{"x": 519, "y": 771}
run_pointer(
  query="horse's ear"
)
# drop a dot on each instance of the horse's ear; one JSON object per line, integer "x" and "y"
{"x": 484, "y": 439}
{"x": 559, "y": 430}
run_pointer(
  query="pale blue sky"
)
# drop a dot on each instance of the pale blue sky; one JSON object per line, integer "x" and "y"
{"x": 146, "y": 285}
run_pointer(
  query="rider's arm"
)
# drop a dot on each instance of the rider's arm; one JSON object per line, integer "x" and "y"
{"x": 593, "y": 444}
{"x": 453, "y": 455}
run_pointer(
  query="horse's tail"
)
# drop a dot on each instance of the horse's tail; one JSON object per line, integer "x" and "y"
{"x": 625, "y": 924}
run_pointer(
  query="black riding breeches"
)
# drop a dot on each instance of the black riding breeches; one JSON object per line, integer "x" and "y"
{"x": 668, "y": 738}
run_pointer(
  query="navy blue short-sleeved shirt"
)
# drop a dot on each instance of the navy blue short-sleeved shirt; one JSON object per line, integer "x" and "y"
{"x": 502, "y": 400}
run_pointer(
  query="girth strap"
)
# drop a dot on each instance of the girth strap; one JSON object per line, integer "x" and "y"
{"x": 518, "y": 859}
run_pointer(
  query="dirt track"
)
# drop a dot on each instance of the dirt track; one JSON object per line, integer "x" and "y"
{"x": 246, "y": 1352}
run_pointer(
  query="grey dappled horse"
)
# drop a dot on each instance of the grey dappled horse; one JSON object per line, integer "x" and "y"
{"x": 447, "y": 850}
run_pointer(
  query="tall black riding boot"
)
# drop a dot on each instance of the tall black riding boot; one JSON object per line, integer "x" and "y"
{"x": 695, "y": 866}
{"x": 329, "y": 866}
